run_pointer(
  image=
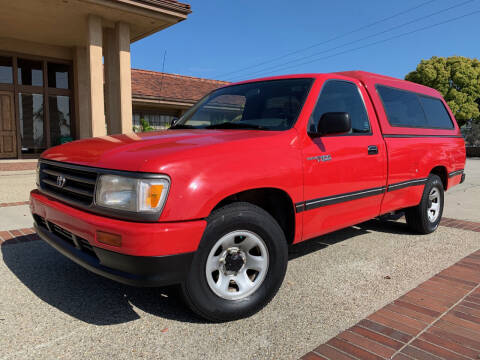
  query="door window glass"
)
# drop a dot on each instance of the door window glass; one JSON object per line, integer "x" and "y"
{"x": 59, "y": 112}
{"x": 30, "y": 72}
{"x": 341, "y": 96}
{"x": 6, "y": 70}
{"x": 30, "y": 113}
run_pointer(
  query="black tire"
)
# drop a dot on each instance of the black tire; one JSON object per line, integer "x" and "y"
{"x": 237, "y": 216}
{"x": 417, "y": 216}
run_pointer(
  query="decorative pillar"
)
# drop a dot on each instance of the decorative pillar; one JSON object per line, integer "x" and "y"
{"x": 118, "y": 81}
{"x": 83, "y": 128}
{"x": 95, "y": 66}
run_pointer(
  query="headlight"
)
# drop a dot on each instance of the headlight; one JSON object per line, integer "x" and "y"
{"x": 132, "y": 194}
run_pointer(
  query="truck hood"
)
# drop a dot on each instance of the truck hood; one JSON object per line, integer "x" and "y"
{"x": 150, "y": 151}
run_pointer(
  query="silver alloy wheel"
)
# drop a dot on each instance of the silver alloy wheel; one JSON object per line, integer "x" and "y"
{"x": 434, "y": 202}
{"x": 237, "y": 265}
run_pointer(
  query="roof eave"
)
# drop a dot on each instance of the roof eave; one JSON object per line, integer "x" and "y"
{"x": 159, "y": 100}
{"x": 158, "y": 6}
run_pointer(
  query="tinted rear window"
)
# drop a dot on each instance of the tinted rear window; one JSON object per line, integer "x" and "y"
{"x": 437, "y": 115}
{"x": 408, "y": 109}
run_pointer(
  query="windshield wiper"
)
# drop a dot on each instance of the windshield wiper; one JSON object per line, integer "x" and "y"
{"x": 230, "y": 125}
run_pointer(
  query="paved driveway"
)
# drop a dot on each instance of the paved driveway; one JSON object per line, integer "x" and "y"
{"x": 52, "y": 308}
{"x": 463, "y": 201}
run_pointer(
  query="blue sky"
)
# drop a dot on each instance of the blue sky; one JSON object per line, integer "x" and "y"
{"x": 221, "y": 37}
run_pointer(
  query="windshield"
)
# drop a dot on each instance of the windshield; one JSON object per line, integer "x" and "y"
{"x": 262, "y": 105}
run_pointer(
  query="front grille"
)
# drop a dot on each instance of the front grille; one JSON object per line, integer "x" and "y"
{"x": 85, "y": 246}
{"x": 40, "y": 221}
{"x": 73, "y": 240}
{"x": 78, "y": 186}
{"x": 62, "y": 233}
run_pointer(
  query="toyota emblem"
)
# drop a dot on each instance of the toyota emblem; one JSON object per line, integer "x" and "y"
{"x": 61, "y": 181}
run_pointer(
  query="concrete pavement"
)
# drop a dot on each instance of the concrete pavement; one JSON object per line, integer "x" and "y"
{"x": 16, "y": 185}
{"x": 15, "y": 217}
{"x": 52, "y": 308}
{"x": 463, "y": 201}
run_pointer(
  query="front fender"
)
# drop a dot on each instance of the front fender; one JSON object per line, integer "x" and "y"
{"x": 201, "y": 180}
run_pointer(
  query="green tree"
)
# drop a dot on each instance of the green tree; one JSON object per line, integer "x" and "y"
{"x": 457, "y": 78}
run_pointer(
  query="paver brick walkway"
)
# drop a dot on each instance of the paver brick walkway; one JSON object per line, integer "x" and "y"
{"x": 18, "y": 203}
{"x": 439, "y": 319}
{"x": 16, "y": 236}
{"x": 18, "y": 166}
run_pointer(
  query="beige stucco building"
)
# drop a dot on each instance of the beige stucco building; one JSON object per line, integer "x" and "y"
{"x": 65, "y": 69}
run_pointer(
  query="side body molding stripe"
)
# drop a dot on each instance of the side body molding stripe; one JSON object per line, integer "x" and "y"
{"x": 404, "y": 184}
{"x": 455, "y": 173}
{"x": 336, "y": 199}
{"x": 330, "y": 200}
{"x": 419, "y": 136}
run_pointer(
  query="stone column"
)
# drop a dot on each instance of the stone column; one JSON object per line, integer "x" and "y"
{"x": 112, "y": 110}
{"x": 118, "y": 83}
{"x": 95, "y": 66}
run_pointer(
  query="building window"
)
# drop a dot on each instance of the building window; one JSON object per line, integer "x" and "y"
{"x": 6, "y": 70}
{"x": 58, "y": 75}
{"x": 157, "y": 121}
{"x": 30, "y": 72}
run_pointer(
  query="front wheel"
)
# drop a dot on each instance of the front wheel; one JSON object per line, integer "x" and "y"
{"x": 239, "y": 265}
{"x": 425, "y": 217}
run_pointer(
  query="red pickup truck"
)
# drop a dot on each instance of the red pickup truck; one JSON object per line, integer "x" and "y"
{"x": 213, "y": 203}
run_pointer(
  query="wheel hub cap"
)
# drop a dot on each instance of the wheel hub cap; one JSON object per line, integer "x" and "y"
{"x": 433, "y": 204}
{"x": 233, "y": 261}
{"x": 237, "y": 265}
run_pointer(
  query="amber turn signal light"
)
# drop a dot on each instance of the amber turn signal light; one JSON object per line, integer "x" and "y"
{"x": 153, "y": 195}
{"x": 109, "y": 238}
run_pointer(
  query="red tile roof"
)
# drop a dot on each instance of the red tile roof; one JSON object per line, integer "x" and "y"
{"x": 163, "y": 86}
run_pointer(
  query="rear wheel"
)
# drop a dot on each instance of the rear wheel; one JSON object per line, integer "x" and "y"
{"x": 425, "y": 217}
{"x": 239, "y": 265}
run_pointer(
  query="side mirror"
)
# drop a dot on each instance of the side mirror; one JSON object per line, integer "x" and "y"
{"x": 334, "y": 123}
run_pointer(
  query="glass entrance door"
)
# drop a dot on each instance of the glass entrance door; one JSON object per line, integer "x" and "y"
{"x": 41, "y": 103}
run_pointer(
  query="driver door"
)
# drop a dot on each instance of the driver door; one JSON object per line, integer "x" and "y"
{"x": 344, "y": 174}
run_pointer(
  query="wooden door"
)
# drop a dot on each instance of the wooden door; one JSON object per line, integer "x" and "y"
{"x": 8, "y": 133}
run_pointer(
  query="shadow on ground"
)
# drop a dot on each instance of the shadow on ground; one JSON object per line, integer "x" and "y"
{"x": 321, "y": 242}
{"x": 96, "y": 300}
{"x": 84, "y": 295}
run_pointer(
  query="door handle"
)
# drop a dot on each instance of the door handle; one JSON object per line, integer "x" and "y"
{"x": 372, "y": 150}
